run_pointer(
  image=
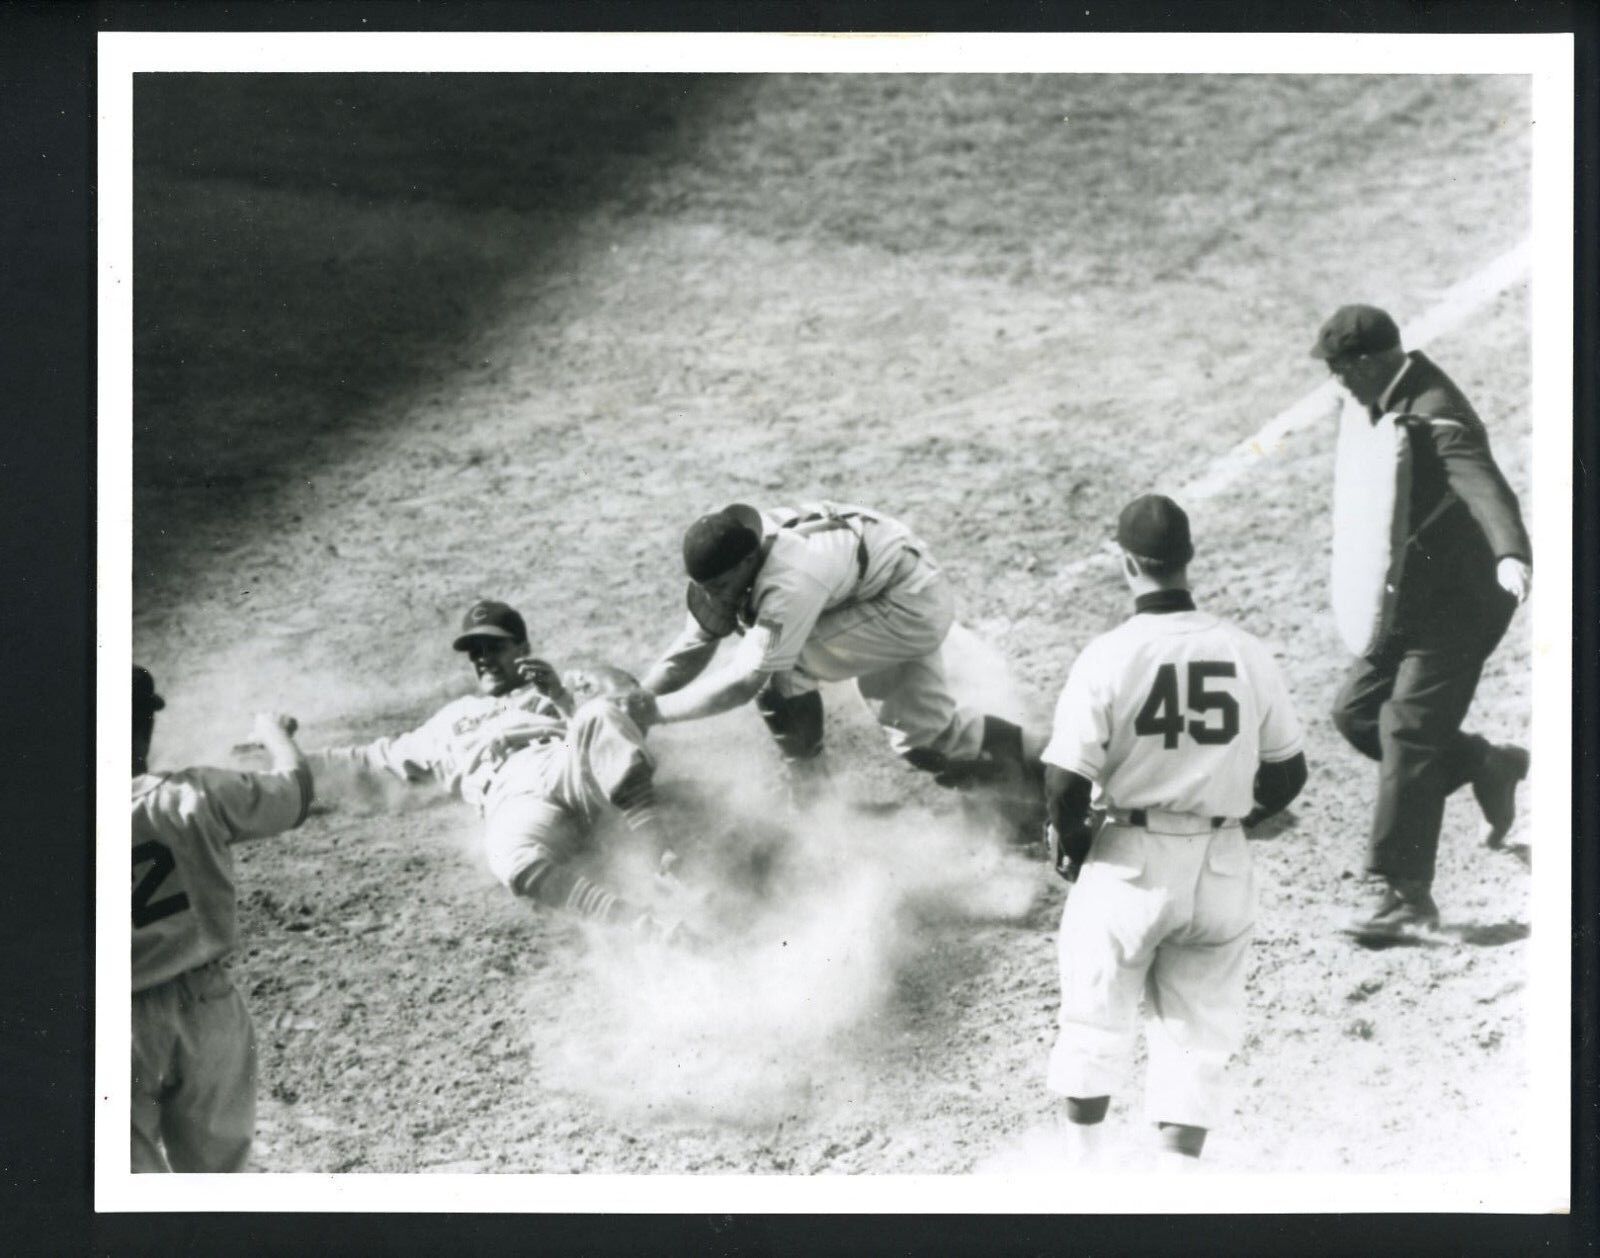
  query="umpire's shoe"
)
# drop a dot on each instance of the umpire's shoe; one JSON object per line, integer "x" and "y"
{"x": 1495, "y": 789}
{"x": 1400, "y": 910}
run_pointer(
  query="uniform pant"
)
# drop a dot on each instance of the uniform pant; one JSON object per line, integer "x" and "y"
{"x": 194, "y": 1074}
{"x": 1167, "y": 918}
{"x": 548, "y": 797}
{"x": 890, "y": 645}
{"x": 1403, "y": 707}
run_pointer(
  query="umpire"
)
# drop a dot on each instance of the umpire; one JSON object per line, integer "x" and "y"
{"x": 1466, "y": 569}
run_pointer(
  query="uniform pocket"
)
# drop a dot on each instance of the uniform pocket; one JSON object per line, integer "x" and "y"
{"x": 209, "y": 982}
{"x": 1228, "y": 855}
{"x": 1119, "y": 852}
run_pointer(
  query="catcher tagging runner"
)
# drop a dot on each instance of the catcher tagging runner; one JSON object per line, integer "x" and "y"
{"x": 194, "y": 1050}
{"x": 827, "y": 593}
{"x": 540, "y": 768}
{"x": 1180, "y": 725}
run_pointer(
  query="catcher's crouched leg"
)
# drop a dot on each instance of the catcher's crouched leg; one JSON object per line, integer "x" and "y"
{"x": 1004, "y": 786}
{"x": 795, "y": 722}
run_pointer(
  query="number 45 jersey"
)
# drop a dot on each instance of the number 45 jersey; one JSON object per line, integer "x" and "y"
{"x": 1174, "y": 710}
{"x": 184, "y": 911}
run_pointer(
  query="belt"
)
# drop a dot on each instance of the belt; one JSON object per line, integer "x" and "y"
{"x": 216, "y": 963}
{"x": 1167, "y": 822}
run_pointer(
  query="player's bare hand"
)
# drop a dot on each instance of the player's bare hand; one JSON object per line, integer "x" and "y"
{"x": 1515, "y": 577}
{"x": 541, "y": 675}
{"x": 269, "y": 725}
{"x": 639, "y": 706}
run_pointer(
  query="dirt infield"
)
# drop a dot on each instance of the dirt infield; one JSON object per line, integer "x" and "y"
{"x": 402, "y": 341}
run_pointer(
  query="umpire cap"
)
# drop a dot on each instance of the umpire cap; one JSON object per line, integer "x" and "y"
{"x": 1154, "y": 527}
{"x": 146, "y": 702}
{"x": 717, "y": 542}
{"x": 488, "y": 618}
{"x": 1352, "y": 331}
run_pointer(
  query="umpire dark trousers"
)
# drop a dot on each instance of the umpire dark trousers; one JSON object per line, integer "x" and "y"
{"x": 1403, "y": 707}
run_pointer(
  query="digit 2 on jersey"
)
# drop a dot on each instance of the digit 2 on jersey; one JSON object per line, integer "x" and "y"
{"x": 147, "y": 908}
{"x": 1162, "y": 715}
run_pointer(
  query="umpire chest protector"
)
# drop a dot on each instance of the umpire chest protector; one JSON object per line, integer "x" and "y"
{"x": 1372, "y": 526}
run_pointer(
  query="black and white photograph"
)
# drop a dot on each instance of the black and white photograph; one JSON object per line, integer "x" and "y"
{"x": 837, "y": 623}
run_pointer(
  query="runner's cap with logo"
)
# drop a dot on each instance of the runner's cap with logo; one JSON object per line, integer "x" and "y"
{"x": 490, "y": 619}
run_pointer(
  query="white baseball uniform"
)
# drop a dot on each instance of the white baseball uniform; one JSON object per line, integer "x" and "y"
{"x": 194, "y": 1055}
{"x": 539, "y": 779}
{"x": 845, "y": 592}
{"x": 1170, "y": 714}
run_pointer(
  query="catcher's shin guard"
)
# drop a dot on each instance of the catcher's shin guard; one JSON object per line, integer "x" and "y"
{"x": 795, "y": 723}
{"x": 1002, "y": 788}
{"x": 1000, "y": 758}
{"x": 796, "y": 726}
{"x": 1002, "y": 740}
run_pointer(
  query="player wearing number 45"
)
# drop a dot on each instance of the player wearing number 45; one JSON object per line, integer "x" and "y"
{"x": 194, "y": 1051}
{"x": 1173, "y": 733}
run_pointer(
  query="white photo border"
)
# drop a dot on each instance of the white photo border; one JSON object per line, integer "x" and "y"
{"x": 1547, "y": 59}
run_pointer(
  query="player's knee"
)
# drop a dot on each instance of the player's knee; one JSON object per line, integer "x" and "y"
{"x": 531, "y": 873}
{"x": 1354, "y": 724}
{"x": 795, "y": 722}
{"x": 636, "y": 787}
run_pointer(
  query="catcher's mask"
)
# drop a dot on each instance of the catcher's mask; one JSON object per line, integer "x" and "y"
{"x": 716, "y": 552}
{"x": 715, "y": 611}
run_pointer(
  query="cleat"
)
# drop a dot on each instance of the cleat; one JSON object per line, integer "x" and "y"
{"x": 1495, "y": 789}
{"x": 1397, "y": 912}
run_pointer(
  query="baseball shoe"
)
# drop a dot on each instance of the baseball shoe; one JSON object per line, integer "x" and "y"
{"x": 1399, "y": 910}
{"x": 1495, "y": 789}
{"x": 672, "y": 932}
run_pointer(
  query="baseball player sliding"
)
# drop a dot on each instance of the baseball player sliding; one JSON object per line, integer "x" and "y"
{"x": 825, "y": 593}
{"x": 540, "y": 768}
{"x": 1178, "y": 726}
{"x": 194, "y": 1050}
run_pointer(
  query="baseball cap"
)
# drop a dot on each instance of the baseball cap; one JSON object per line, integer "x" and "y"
{"x": 145, "y": 699}
{"x": 1354, "y": 330}
{"x": 1152, "y": 526}
{"x": 715, "y": 543}
{"x": 490, "y": 619}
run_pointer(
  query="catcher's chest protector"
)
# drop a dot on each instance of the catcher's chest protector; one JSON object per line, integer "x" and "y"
{"x": 1371, "y": 523}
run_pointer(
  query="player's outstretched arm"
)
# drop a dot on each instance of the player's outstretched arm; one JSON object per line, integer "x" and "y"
{"x": 723, "y": 691}
{"x": 682, "y": 662}
{"x": 275, "y": 732}
{"x": 256, "y": 805}
{"x": 413, "y": 757}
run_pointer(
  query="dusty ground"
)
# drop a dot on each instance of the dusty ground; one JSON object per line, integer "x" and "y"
{"x": 404, "y": 342}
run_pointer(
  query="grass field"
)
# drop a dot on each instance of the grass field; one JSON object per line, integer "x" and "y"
{"x": 404, "y": 340}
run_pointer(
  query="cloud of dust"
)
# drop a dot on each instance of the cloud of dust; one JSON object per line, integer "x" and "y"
{"x": 979, "y": 675}
{"x": 212, "y": 702}
{"x": 814, "y": 926}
